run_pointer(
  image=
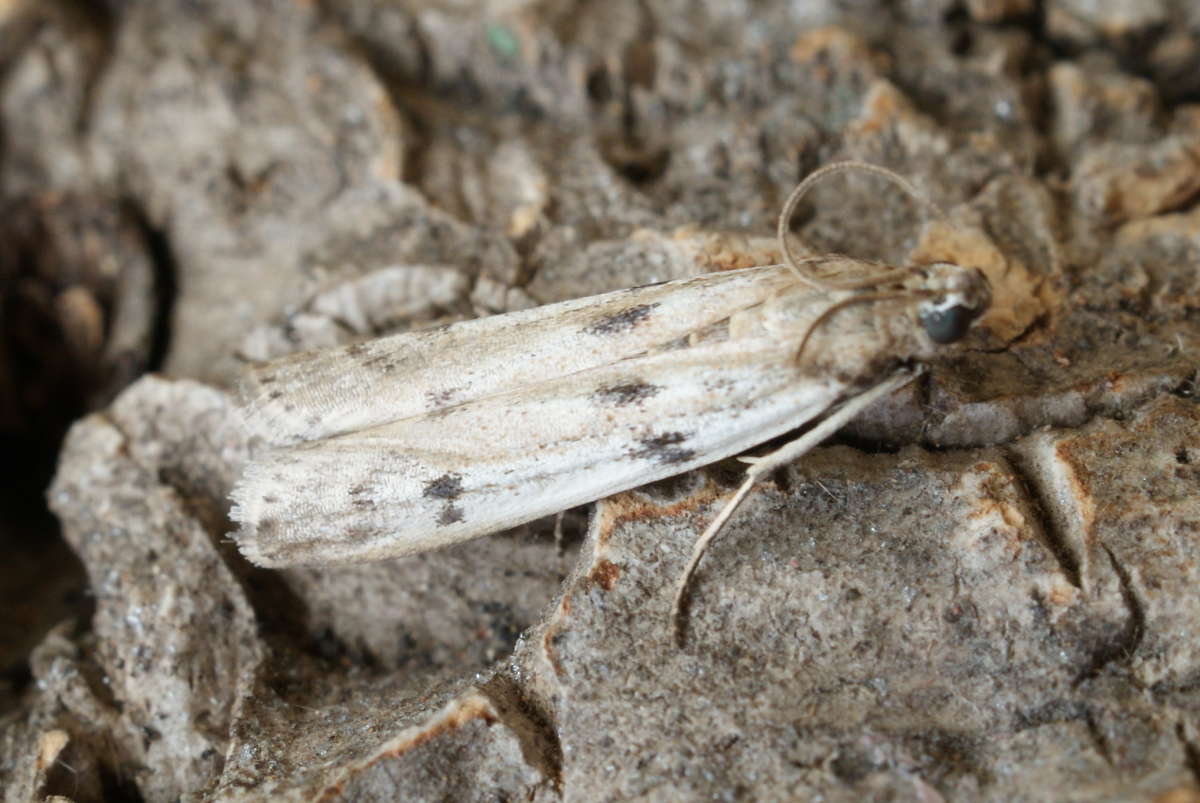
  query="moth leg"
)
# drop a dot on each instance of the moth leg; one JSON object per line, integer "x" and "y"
{"x": 768, "y": 463}
{"x": 558, "y": 531}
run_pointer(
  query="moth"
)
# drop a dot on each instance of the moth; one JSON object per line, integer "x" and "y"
{"x": 415, "y": 441}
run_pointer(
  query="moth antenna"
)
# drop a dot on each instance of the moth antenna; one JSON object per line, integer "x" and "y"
{"x": 789, "y": 208}
{"x": 765, "y": 465}
{"x": 847, "y": 302}
{"x": 679, "y": 604}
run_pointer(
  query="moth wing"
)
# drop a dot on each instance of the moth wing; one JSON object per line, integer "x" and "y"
{"x": 466, "y": 471}
{"x": 313, "y": 395}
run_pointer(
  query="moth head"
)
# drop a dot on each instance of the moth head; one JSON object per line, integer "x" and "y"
{"x": 956, "y": 297}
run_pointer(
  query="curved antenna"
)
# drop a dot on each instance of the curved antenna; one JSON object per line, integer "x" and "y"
{"x": 847, "y": 302}
{"x": 789, "y": 208}
{"x": 765, "y": 465}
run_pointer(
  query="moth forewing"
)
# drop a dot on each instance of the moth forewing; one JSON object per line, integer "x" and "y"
{"x": 485, "y": 465}
{"x": 312, "y": 395}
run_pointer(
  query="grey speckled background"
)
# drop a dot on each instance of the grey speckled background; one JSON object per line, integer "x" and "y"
{"x": 985, "y": 589}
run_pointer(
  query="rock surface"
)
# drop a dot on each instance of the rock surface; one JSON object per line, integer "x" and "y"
{"x": 985, "y": 589}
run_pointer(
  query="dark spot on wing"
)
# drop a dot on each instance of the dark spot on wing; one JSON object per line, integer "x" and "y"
{"x": 266, "y": 379}
{"x": 664, "y": 448}
{"x": 358, "y": 535}
{"x": 375, "y": 359}
{"x": 356, "y": 349}
{"x": 441, "y": 398}
{"x": 383, "y": 363}
{"x": 626, "y": 393}
{"x": 362, "y": 496}
{"x": 621, "y": 321}
{"x": 275, "y": 394}
{"x": 447, "y": 486}
{"x": 267, "y": 528}
{"x": 450, "y": 515}
{"x": 270, "y": 499}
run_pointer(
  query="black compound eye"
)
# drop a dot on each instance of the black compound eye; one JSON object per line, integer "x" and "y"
{"x": 948, "y": 324}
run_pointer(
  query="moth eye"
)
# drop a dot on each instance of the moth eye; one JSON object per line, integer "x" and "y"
{"x": 948, "y": 324}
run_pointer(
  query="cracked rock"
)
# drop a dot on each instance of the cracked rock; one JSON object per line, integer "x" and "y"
{"x": 982, "y": 589}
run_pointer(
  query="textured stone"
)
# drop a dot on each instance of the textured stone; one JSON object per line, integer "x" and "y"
{"x": 983, "y": 590}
